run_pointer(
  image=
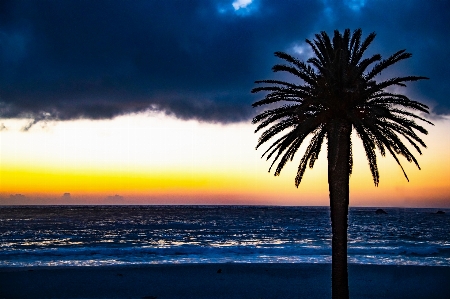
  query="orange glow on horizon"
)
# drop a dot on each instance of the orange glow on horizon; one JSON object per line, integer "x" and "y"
{"x": 202, "y": 164}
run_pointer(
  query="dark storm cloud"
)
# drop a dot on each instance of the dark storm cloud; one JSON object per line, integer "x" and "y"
{"x": 191, "y": 59}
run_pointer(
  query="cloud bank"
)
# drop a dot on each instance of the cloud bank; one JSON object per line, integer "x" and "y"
{"x": 191, "y": 59}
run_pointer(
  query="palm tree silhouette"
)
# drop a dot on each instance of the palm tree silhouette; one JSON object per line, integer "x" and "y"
{"x": 336, "y": 92}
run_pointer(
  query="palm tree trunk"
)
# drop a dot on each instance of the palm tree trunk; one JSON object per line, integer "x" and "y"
{"x": 339, "y": 143}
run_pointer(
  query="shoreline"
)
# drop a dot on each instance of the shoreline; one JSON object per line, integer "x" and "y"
{"x": 231, "y": 280}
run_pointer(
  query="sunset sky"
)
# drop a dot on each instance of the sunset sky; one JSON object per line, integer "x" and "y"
{"x": 148, "y": 102}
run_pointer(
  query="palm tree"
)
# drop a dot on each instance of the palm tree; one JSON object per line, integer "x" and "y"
{"x": 335, "y": 92}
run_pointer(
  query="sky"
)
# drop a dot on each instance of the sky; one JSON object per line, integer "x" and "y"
{"x": 148, "y": 102}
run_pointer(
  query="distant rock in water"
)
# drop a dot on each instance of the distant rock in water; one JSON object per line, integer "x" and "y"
{"x": 440, "y": 212}
{"x": 380, "y": 212}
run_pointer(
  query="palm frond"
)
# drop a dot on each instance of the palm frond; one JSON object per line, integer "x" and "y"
{"x": 369, "y": 148}
{"x": 311, "y": 154}
{"x": 364, "y": 45}
{"x": 379, "y": 67}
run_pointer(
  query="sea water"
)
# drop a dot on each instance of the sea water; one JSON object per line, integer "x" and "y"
{"x": 121, "y": 235}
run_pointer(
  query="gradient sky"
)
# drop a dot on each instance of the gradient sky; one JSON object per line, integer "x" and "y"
{"x": 150, "y": 100}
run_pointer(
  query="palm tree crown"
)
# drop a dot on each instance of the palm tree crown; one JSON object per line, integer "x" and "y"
{"x": 339, "y": 84}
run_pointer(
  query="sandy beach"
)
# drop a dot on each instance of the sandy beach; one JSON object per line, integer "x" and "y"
{"x": 222, "y": 281}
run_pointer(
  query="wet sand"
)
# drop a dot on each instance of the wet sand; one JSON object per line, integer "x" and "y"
{"x": 222, "y": 281}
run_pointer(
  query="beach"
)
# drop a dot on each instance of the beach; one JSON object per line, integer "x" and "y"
{"x": 164, "y": 281}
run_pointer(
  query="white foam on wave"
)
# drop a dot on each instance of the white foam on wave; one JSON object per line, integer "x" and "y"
{"x": 129, "y": 235}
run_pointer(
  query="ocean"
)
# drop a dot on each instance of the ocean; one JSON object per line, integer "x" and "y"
{"x": 126, "y": 235}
